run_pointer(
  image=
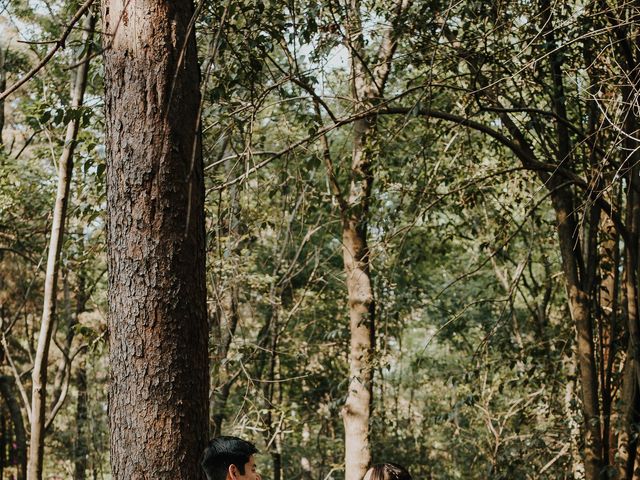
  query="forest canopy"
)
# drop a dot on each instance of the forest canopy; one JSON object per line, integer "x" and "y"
{"x": 349, "y": 231}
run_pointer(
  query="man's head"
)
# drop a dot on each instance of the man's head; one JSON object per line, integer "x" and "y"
{"x": 387, "y": 471}
{"x": 230, "y": 458}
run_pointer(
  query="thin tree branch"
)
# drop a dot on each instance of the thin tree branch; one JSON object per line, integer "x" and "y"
{"x": 59, "y": 43}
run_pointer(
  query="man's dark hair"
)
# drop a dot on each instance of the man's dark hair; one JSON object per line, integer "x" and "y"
{"x": 389, "y": 471}
{"x": 224, "y": 451}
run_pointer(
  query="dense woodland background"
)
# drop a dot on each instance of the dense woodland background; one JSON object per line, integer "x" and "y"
{"x": 480, "y": 156}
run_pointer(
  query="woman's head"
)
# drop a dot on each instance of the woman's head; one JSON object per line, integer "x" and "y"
{"x": 387, "y": 471}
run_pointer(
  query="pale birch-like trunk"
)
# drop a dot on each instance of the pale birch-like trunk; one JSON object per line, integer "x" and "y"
{"x": 65, "y": 169}
{"x": 368, "y": 83}
{"x": 356, "y": 412}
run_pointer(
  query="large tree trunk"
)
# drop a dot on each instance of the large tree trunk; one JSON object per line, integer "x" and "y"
{"x": 158, "y": 405}
{"x": 356, "y": 412}
{"x": 40, "y": 366}
{"x": 368, "y": 82}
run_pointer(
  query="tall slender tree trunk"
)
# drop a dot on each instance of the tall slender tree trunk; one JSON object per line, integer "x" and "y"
{"x": 158, "y": 404}
{"x": 9, "y": 397}
{"x": 356, "y": 412}
{"x": 3, "y": 444}
{"x": 367, "y": 89}
{"x": 581, "y": 316}
{"x": 226, "y": 316}
{"x": 630, "y": 400}
{"x": 3, "y": 85}
{"x": 272, "y": 433}
{"x": 607, "y": 300}
{"x": 80, "y": 447}
{"x": 65, "y": 169}
{"x": 576, "y": 276}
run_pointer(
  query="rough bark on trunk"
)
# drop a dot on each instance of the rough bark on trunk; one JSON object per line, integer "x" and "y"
{"x": 65, "y": 169}
{"x": 158, "y": 405}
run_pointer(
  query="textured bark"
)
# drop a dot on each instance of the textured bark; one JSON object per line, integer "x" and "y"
{"x": 158, "y": 328}
{"x": 39, "y": 374}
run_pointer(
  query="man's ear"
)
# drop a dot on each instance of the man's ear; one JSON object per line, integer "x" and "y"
{"x": 232, "y": 472}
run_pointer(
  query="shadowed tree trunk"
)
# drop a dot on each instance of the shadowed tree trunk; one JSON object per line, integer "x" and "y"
{"x": 9, "y": 397}
{"x": 607, "y": 301}
{"x": 226, "y": 316}
{"x": 3, "y": 85}
{"x": 80, "y": 447}
{"x": 158, "y": 404}
{"x": 573, "y": 263}
{"x": 630, "y": 399}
